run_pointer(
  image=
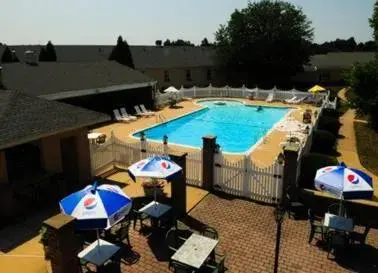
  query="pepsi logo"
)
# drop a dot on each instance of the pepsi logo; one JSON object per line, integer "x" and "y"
{"x": 165, "y": 165}
{"x": 352, "y": 179}
{"x": 90, "y": 203}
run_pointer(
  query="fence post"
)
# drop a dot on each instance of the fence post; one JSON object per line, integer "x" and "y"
{"x": 290, "y": 168}
{"x": 165, "y": 144}
{"x": 143, "y": 145}
{"x": 62, "y": 244}
{"x": 113, "y": 148}
{"x": 178, "y": 186}
{"x": 208, "y": 151}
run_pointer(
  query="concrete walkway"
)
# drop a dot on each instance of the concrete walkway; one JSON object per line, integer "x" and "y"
{"x": 347, "y": 146}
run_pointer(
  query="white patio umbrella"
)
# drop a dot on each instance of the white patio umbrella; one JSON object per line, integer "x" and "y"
{"x": 157, "y": 167}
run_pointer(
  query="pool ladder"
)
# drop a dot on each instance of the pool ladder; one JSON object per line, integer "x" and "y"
{"x": 160, "y": 118}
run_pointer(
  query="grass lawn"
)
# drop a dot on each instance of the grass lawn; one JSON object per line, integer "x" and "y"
{"x": 367, "y": 143}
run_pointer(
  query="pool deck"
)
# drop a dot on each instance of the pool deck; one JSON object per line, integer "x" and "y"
{"x": 262, "y": 155}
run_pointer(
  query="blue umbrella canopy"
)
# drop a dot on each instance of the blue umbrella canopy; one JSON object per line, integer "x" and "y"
{"x": 344, "y": 182}
{"x": 97, "y": 207}
{"x": 159, "y": 167}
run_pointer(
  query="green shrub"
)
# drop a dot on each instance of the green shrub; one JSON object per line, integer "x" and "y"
{"x": 323, "y": 142}
{"x": 310, "y": 164}
{"x": 329, "y": 124}
{"x": 331, "y": 113}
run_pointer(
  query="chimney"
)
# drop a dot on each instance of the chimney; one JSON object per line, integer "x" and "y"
{"x": 30, "y": 57}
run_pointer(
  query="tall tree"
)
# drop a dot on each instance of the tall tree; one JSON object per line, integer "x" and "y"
{"x": 167, "y": 42}
{"x": 50, "y": 52}
{"x": 264, "y": 43}
{"x": 374, "y": 22}
{"x": 158, "y": 42}
{"x": 121, "y": 53}
{"x": 9, "y": 56}
{"x": 47, "y": 53}
{"x": 205, "y": 42}
{"x": 363, "y": 80}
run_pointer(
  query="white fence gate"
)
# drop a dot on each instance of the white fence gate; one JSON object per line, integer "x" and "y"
{"x": 244, "y": 178}
{"x": 194, "y": 169}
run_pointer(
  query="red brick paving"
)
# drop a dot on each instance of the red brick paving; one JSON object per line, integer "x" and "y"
{"x": 247, "y": 234}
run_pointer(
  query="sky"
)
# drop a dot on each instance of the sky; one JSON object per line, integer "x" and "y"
{"x": 142, "y": 22}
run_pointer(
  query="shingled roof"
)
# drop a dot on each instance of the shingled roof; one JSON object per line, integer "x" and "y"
{"x": 143, "y": 56}
{"x": 341, "y": 60}
{"x": 24, "y": 118}
{"x": 56, "y": 77}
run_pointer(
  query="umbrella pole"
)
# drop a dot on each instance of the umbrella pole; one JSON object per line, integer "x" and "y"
{"x": 341, "y": 206}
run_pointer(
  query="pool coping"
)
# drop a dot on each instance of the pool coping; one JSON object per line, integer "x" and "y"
{"x": 196, "y": 102}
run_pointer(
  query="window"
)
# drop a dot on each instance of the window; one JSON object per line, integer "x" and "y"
{"x": 188, "y": 76}
{"x": 208, "y": 75}
{"x": 166, "y": 76}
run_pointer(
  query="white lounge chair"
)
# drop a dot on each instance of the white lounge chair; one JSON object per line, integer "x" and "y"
{"x": 297, "y": 101}
{"x": 118, "y": 116}
{"x": 126, "y": 115}
{"x": 291, "y": 100}
{"x": 139, "y": 112}
{"x": 144, "y": 110}
{"x": 270, "y": 97}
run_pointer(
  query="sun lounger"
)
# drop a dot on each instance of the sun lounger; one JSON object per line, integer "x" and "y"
{"x": 297, "y": 101}
{"x": 144, "y": 110}
{"x": 270, "y": 97}
{"x": 126, "y": 115}
{"x": 118, "y": 116}
{"x": 291, "y": 100}
{"x": 139, "y": 112}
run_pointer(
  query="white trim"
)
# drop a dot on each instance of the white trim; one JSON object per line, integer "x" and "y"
{"x": 84, "y": 92}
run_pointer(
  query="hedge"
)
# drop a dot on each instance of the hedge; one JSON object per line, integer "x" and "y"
{"x": 329, "y": 124}
{"x": 310, "y": 164}
{"x": 323, "y": 142}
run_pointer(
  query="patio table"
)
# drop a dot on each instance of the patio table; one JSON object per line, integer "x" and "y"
{"x": 195, "y": 250}
{"x": 94, "y": 136}
{"x": 338, "y": 222}
{"x": 98, "y": 252}
{"x": 155, "y": 209}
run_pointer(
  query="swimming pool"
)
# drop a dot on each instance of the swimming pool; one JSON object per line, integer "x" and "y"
{"x": 237, "y": 126}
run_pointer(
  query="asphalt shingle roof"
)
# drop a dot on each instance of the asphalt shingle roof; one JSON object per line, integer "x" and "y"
{"x": 24, "y": 117}
{"x": 55, "y": 77}
{"x": 341, "y": 60}
{"x": 143, "y": 56}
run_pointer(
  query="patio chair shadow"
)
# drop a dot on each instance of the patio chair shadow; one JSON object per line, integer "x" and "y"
{"x": 16, "y": 234}
{"x": 359, "y": 258}
{"x": 129, "y": 256}
{"x": 193, "y": 223}
{"x": 176, "y": 107}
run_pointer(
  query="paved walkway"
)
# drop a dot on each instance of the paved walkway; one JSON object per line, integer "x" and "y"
{"x": 347, "y": 146}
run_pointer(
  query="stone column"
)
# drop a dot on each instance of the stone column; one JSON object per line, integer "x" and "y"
{"x": 290, "y": 168}
{"x": 62, "y": 244}
{"x": 208, "y": 151}
{"x": 178, "y": 185}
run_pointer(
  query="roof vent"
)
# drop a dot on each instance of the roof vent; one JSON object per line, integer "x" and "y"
{"x": 30, "y": 57}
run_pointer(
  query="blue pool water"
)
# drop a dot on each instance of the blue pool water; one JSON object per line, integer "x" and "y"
{"x": 237, "y": 127}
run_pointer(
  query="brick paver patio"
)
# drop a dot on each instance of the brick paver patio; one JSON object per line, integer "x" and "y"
{"x": 247, "y": 234}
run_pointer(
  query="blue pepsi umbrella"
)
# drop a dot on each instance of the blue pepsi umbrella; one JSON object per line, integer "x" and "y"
{"x": 97, "y": 207}
{"x": 344, "y": 182}
{"x": 159, "y": 167}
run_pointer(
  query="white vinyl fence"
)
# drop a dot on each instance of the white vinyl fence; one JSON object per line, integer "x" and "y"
{"x": 243, "y": 92}
{"x": 121, "y": 154}
{"x": 244, "y": 178}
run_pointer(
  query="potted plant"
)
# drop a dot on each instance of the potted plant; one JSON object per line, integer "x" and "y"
{"x": 45, "y": 238}
{"x": 152, "y": 185}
